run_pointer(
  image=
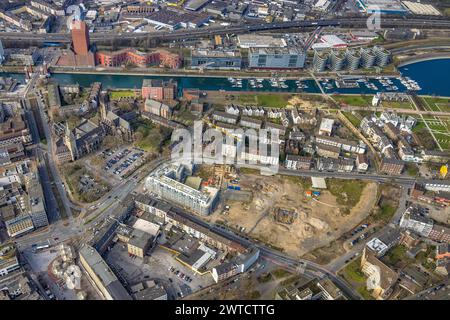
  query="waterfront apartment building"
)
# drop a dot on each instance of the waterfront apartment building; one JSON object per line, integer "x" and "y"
{"x": 337, "y": 60}
{"x": 320, "y": 61}
{"x": 382, "y": 56}
{"x": 118, "y": 58}
{"x": 353, "y": 58}
{"x": 276, "y": 58}
{"x": 368, "y": 58}
{"x": 216, "y": 59}
{"x": 158, "y": 89}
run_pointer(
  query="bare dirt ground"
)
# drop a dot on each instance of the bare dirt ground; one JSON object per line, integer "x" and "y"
{"x": 320, "y": 221}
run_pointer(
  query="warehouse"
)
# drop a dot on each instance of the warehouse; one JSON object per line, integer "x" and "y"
{"x": 382, "y": 6}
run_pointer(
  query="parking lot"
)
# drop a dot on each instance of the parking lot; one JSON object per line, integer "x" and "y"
{"x": 132, "y": 270}
{"x": 123, "y": 161}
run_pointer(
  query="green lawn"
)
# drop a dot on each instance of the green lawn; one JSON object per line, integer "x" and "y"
{"x": 355, "y": 100}
{"x": 396, "y": 254}
{"x": 365, "y": 293}
{"x": 265, "y": 100}
{"x": 419, "y": 126}
{"x": 397, "y": 105}
{"x": 352, "y": 272}
{"x": 424, "y": 256}
{"x": 150, "y": 137}
{"x": 265, "y": 277}
{"x": 444, "y": 140}
{"x": 352, "y": 118}
{"x": 412, "y": 169}
{"x": 386, "y": 212}
{"x": 347, "y": 192}
{"x": 437, "y": 104}
{"x": 117, "y": 94}
{"x": 280, "y": 273}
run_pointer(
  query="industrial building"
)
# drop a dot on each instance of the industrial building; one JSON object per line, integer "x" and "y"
{"x": 216, "y": 59}
{"x": 276, "y": 58}
{"x": 257, "y": 41}
{"x": 382, "y": 6}
{"x": 421, "y": 8}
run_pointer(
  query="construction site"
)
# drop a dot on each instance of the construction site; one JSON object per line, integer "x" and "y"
{"x": 287, "y": 213}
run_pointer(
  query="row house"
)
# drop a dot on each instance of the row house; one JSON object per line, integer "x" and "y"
{"x": 253, "y": 111}
{"x": 294, "y": 162}
{"x": 362, "y": 163}
{"x": 345, "y": 145}
{"x": 234, "y": 110}
{"x": 281, "y": 133}
{"x": 274, "y": 113}
{"x": 391, "y": 166}
{"x": 298, "y": 135}
{"x": 224, "y": 117}
{"x": 327, "y": 151}
{"x": 250, "y": 122}
{"x": 327, "y": 164}
{"x": 284, "y": 119}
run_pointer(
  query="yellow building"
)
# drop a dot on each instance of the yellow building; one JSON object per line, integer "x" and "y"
{"x": 19, "y": 225}
{"x": 139, "y": 243}
{"x": 444, "y": 171}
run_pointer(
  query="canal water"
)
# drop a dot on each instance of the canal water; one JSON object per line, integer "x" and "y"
{"x": 433, "y": 76}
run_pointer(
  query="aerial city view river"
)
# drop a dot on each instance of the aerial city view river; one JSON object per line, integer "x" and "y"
{"x": 430, "y": 77}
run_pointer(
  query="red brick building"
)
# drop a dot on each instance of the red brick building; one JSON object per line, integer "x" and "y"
{"x": 80, "y": 56}
{"x": 80, "y": 38}
{"x": 159, "y": 90}
{"x": 161, "y": 58}
{"x": 391, "y": 166}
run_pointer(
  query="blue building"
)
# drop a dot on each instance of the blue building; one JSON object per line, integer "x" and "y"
{"x": 216, "y": 59}
{"x": 276, "y": 58}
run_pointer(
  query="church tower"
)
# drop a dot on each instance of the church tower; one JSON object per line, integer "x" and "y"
{"x": 70, "y": 142}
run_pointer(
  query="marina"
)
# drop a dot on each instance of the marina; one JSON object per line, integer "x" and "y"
{"x": 414, "y": 78}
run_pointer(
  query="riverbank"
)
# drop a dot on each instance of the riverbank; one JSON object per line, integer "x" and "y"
{"x": 423, "y": 58}
{"x": 243, "y": 74}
